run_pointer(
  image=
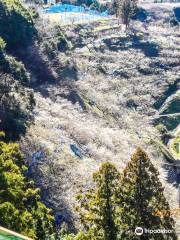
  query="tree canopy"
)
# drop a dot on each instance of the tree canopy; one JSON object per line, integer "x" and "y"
{"x": 119, "y": 203}
{"x": 141, "y": 196}
{"x": 16, "y": 24}
{"x": 21, "y": 208}
{"x": 125, "y": 9}
{"x": 97, "y": 208}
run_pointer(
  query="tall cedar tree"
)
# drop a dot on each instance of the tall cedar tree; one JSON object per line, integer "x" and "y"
{"x": 97, "y": 208}
{"x": 21, "y": 209}
{"x": 141, "y": 198}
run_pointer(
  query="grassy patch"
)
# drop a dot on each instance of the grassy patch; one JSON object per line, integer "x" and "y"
{"x": 175, "y": 146}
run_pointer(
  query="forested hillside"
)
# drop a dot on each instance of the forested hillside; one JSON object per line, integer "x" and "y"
{"x": 89, "y": 115}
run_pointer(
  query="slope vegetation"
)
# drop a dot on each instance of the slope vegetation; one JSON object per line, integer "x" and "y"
{"x": 109, "y": 90}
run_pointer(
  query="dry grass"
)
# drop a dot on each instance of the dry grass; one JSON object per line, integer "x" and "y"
{"x": 117, "y": 118}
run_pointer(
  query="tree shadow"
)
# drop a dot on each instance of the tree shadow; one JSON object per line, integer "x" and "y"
{"x": 63, "y": 216}
{"x": 140, "y": 15}
{"x": 39, "y": 68}
{"x": 172, "y": 88}
{"x": 74, "y": 98}
{"x": 51, "y": 186}
{"x": 44, "y": 70}
{"x": 150, "y": 49}
{"x": 176, "y": 11}
{"x": 173, "y": 173}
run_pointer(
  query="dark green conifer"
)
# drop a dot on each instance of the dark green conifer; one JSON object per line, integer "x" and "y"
{"x": 141, "y": 197}
{"x": 97, "y": 208}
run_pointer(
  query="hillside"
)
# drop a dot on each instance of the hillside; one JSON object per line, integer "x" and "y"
{"x": 107, "y": 92}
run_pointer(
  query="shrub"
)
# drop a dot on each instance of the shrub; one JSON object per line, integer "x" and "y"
{"x": 11, "y": 66}
{"x": 161, "y": 128}
{"x": 2, "y": 44}
{"x": 16, "y": 24}
{"x": 16, "y": 104}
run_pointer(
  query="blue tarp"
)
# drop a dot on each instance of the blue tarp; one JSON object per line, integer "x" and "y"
{"x": 60, "y": 8}
{"x": 76, "y": 151}
{"x": 177, "y": 13}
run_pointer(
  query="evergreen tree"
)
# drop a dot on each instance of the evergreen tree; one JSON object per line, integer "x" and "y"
{"x": 21, "y": 209}
{"x": 97, "y": 208}
{"x": 16, "y": 24}
{"x": 141, "y": 198}
{"x": 125, "y": 9}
